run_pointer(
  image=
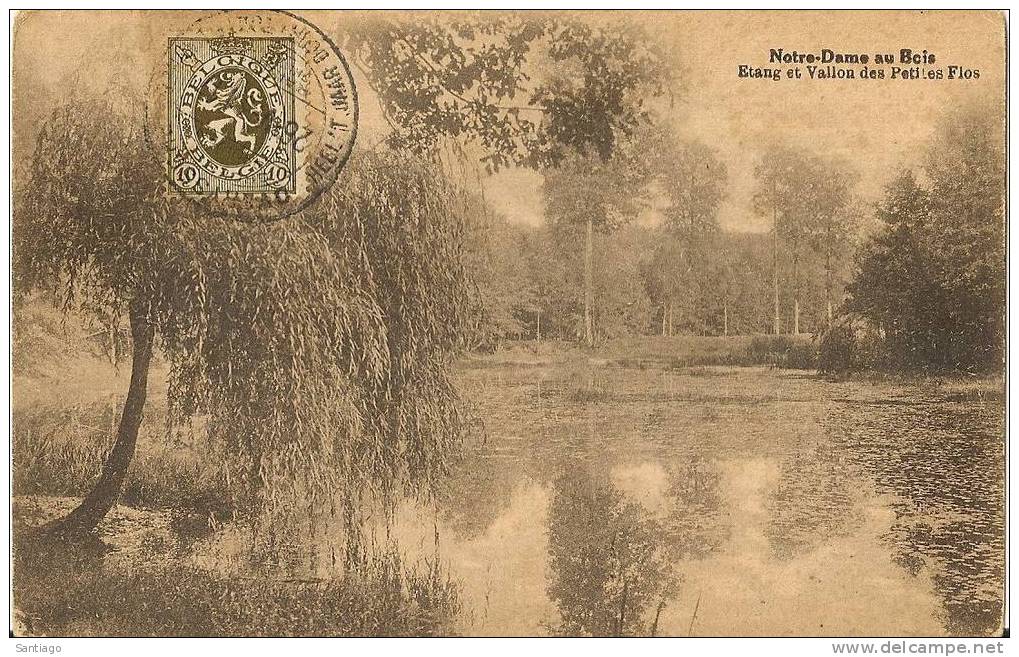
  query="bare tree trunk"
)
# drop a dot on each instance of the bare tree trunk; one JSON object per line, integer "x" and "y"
{"x": 796, "y": 286}
{"x": 828, "y": 276}
{"x": 658, "y": 614}
{"x": 671, "y": 305}
{"x": 103, "y": 497}
{"x": 774, "y": 243}
{"x": 725, "y": 319}
{"x": 665, "y": 318}
{"x": 622, "y": 608}
{"x": 539, "y": 324}
{"x": 589, "y": 284}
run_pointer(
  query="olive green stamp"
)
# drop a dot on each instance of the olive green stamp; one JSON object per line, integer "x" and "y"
{"x": 231, "y": 100}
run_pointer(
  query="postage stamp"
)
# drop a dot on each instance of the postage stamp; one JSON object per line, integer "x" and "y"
{"x": 255, "y": 114}
{"x": 230, "y": 101}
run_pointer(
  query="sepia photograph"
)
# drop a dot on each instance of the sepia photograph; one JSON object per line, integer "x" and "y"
{"x": 515, "y": 323}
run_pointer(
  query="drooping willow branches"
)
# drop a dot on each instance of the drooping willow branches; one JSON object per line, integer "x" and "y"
{"x": 315, "y": 347}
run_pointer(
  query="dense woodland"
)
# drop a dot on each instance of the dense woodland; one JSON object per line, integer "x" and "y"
{"x": 644, "y": 283}
{"x": 918, "y": 276}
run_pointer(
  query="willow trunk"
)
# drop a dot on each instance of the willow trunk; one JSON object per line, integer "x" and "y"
{"x": 103, "y": 496}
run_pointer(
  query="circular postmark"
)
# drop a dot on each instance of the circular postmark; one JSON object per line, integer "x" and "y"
{"x": 255, "y": 113}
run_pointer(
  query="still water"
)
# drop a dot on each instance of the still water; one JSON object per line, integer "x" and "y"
{"x": 722, "y": 502}
{"x": 695, "y": 502}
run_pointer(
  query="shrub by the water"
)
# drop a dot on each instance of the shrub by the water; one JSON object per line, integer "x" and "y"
{"x": 836, "y": 349}
{"x": 794, "y": 352}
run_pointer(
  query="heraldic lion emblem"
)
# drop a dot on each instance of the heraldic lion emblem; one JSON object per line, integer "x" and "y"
{"x": 232, "y": 117}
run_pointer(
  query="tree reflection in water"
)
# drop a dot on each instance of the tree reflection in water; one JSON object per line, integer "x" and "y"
{"x": 940, "y": 455}
{"x": 694, "y": 525}
{"x": 610, "y": 575}
{"x": 812, "y": 502}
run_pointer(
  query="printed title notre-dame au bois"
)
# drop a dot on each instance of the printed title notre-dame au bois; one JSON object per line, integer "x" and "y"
{"x": 906, "y": 64}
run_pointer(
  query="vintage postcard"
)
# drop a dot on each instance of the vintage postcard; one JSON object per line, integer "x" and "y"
{"x": 509, "y": 323}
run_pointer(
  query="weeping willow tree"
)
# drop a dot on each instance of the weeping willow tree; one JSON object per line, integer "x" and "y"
{"x": 317, "y": 347}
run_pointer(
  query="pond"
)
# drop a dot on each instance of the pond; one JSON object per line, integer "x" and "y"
{"x": 687, "y": 502}
{"x": 716, "y": 501}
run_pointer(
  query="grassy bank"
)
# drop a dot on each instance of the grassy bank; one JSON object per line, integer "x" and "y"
{"x": 784, "y": 351}
{"x": 64, "y": 590}
{"x": 145, "y": 574}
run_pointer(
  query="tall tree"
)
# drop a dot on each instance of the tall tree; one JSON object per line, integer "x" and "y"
{"x": 834, "y": 221}
{"x": 777, "y": 188}
{"x": 807, "y": 198}
{"x": 686, "y": 185}
{"x": 693, "y": 181}
{"x": 933, "y": 277}
{"x": 587, "y": 194}
{"x": 894, "y": 286}
{"x": 965, "y": 164}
